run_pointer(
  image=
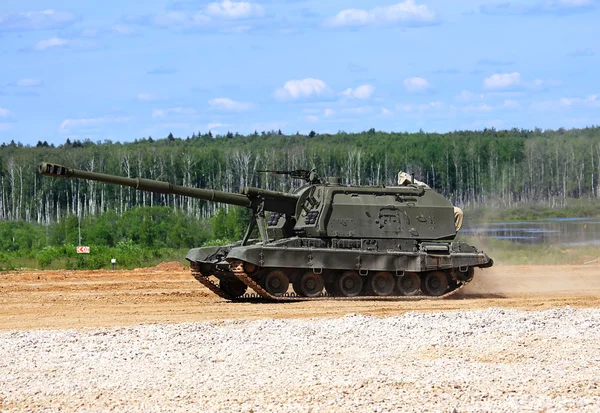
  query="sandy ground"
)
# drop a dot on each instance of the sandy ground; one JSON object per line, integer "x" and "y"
{"x": 32, "y": 300}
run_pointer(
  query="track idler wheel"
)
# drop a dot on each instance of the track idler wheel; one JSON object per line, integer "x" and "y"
{"x": 380, "y": 283}
{"x": 349, "y": 284}
{"x": 435, "y": 283}
{"x": 276, "y": 282}
{"x": 409, "y": 284}
{"x": 233, "y": 287}
{"x": 309, "y": 284}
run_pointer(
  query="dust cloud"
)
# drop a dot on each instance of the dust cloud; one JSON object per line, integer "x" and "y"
{"x": 507, "y": 280}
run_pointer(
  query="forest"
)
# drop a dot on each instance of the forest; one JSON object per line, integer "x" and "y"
{"x": 496, "y": 169}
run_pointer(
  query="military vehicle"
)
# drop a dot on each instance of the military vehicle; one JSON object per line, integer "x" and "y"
{"x": 329, "y": 241}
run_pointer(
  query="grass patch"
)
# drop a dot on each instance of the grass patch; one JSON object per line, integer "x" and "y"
{"x": 507, "y": 252}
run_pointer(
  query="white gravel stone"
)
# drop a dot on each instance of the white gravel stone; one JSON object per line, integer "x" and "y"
{"x": 491, "y": 360}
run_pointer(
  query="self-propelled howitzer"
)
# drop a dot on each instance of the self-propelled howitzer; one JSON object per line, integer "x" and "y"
{"x": 327, "y": 240}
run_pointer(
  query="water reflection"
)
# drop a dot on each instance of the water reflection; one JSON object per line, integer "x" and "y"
{"x": 565, "y": 231}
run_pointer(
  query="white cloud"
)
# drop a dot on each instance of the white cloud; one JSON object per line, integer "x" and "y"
{"x": 5, "y": 113}
{"x": 162, "y": 113}
{"x": 416, "y": 84}
{"x": 49, "y": 43}
{"x": 590, "y": 102}
{"x": 427, "y": 107}
{"x": 539, "y": 84}
{"x": 70, "y": 124}
{"x": 312, "y": 118}
{"x": 234, "y": 10}
{"x": 386, "y": 112}
{"x": 29, "y": 82}
{"x": 406, "y": 13}
{"x": 301, "y": 89}
{"x": 229, "y": 105}
{"x": 34, "y": 20}
{"x": 180, "y": 20}
{"x": 502, "y": 81}
{"x": 216, "y": 125}
{"x": 361, "y": 92}
{"x": 328, "y": 112}
{"x": 225, "y": 10}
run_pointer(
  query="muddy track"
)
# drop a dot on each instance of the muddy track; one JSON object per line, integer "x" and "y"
{"x": 72, "y": 299}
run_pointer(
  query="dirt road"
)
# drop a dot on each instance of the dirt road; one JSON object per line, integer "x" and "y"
{"x": 169, "y": 294}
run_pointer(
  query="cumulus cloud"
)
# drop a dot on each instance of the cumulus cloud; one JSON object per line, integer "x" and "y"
{"x": 589, "y": 102}
{"x": 70, "y": 124}
{"x": 502, "y": 81}
{"x": 5, "y": 113}
{"x": 234, "y": 10}
{"x": 302, "y": 89}
{"x": 29, "y": 82}
{"x": 216, "y": 125}
{"x": 416, "y": 85}
{"x": 162, "y": 113}
{"x": 213, "y": 15}
{"x": 361, "y": 92}
{"x": 426, "y": 107}
{"x": 180, "y": 20}
{"x": 50, "y": 43}
{"x": 35, "y": 20}
{"x": 229, "y": 105}
{"x": 407, "y": 14}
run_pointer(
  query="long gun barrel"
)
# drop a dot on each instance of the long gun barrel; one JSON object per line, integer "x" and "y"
{"x": 273, "y": 201}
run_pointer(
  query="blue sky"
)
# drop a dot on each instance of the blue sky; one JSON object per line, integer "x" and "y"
{"x": 126, "y": 70}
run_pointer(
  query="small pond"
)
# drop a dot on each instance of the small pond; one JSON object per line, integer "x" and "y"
{"x": 565, "y": 231}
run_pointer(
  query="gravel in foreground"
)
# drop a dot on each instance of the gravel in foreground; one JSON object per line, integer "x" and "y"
{"x": 490, "y": 360}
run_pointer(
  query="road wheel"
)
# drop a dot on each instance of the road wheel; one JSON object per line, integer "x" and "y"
{"x": 276, "y": 282}
{"x": 380, "y": 283}
{"x": 435, "y": 283}
{"x": 349, "y": 284}
{"x": 409, "y": 283}
{"x": 309, "y": 284}
{"x": 233, "y": 287}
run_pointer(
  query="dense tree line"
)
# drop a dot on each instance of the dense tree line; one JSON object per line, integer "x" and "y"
{"x": 135, "y": 238}
{"x": 495, "y": 168}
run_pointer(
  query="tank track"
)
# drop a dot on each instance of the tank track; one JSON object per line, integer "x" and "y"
{"x": 260, "y": 293}
{"x": 237, "y": 267}
{"x": 208, "y": 283}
